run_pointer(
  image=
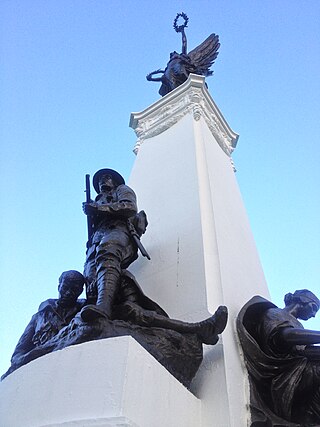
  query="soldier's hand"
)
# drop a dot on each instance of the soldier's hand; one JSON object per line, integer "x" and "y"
{"x": 89, "y": 208}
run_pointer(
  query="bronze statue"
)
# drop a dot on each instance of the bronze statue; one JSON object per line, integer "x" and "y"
{"x": 180, "y": 65}
{"x": 115, "y": 304}
{"x": 53, "y": 315}
{"x": 111, "y": 246}
{"x": 133, "y": 306}
{"x": 282, "y": 361}
{"x": 177, "y": 345}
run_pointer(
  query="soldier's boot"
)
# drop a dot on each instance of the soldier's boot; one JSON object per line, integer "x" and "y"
{"x": 108, "y": 279}
{"x": 207, "y": 330}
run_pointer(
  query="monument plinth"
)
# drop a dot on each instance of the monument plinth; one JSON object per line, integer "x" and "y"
{"x": 106, "y": 383}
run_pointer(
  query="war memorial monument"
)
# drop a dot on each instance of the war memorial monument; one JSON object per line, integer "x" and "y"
{"x": 177, "y": 328}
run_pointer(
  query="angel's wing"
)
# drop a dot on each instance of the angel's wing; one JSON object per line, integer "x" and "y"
{"x": 203, "y": 56}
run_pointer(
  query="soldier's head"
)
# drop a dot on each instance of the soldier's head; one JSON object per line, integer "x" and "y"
{"x": 106, "y": 179}
{"x": 307, "y": 303}
{"x": 106, "y": 183}
{"x": 70, "y": 287}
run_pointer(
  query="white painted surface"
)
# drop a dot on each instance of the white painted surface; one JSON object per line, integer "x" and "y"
{"x": 169, "y": 194}
{"x": 105, "y": 383}
{"x": 199, "y": 238}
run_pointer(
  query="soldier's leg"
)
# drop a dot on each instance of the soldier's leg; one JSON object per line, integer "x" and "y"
{"x": 90, "y": 273}
{"x": 108, "y": 276}
{"x": 108, "y": 270}
{"x": 110, "y": 253}
{"x": 207, "y": 330}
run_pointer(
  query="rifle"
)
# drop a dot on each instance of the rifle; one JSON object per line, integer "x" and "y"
{"x": 89, "y": 218}
{"x": 134, "y": 234}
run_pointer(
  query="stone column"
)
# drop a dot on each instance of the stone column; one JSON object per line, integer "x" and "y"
{"x": 200, "y": 242}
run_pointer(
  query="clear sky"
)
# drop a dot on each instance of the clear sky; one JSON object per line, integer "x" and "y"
{"x": 72, "y": 72}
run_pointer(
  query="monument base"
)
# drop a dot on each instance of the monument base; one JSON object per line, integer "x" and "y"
{"x": 106, "y": 383}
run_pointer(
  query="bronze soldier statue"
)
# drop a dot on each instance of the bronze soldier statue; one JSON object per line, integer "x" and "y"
{"x": 53, "y": 315}
{"x": 116, "y": 228}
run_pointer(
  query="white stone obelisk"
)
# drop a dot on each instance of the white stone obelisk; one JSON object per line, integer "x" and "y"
{"x": 202, "y": 250}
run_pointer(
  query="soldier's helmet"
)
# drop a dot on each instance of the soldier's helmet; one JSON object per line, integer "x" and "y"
{"x": 117, "y": 178}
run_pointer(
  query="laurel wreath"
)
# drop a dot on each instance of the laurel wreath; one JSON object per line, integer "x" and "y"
{"x": 179, "y": 28}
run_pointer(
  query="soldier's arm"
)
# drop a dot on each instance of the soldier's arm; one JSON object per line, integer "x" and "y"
{"x": 90, "y": 208}
{"x": 126, "y": 206}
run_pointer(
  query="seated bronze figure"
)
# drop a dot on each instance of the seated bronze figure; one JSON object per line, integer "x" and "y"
{"x": 52, "y": 317}
{"x": 282, "y": 359}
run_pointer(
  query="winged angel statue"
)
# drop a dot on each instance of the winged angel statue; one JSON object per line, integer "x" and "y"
{"x": 180, "y": 65}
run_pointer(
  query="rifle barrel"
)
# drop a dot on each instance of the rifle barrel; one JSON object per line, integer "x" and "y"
{"x": 88, "y": 200}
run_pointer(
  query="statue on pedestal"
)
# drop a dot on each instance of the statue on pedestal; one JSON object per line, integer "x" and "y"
{"x": 282, "y": 359}
{"x": 115, "y": 303}
{"x": 180, "y": 65}
{"x": 118, "y": 305}
{"x": 110, "y": 247}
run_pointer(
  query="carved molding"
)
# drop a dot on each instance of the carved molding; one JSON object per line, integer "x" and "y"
{"x": 190, "y": 98}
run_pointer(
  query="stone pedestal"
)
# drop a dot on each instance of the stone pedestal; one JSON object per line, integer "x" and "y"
{"x": 107, "y": 383}
{"x": 202, "y": 250}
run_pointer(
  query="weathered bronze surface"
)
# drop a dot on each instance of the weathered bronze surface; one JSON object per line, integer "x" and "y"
{"x": 115, "y": 304}
{"x": 110, "y": 247}
{"x": 180, "y": 65}
{"x": 282, "y": 361}
{"x": 53, "y": 315}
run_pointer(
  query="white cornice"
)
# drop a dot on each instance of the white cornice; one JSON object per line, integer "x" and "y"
{"x": 191, "y": 97}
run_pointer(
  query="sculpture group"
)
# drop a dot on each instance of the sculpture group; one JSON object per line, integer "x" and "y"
{"x": 115, "y": 304}
{"x": 282, "y": 361}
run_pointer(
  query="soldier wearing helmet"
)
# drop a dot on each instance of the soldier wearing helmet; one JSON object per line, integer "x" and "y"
{"x": 111, "y": 247}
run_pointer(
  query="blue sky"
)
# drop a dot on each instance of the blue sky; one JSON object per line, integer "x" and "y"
{"x": 72, "y": 72}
